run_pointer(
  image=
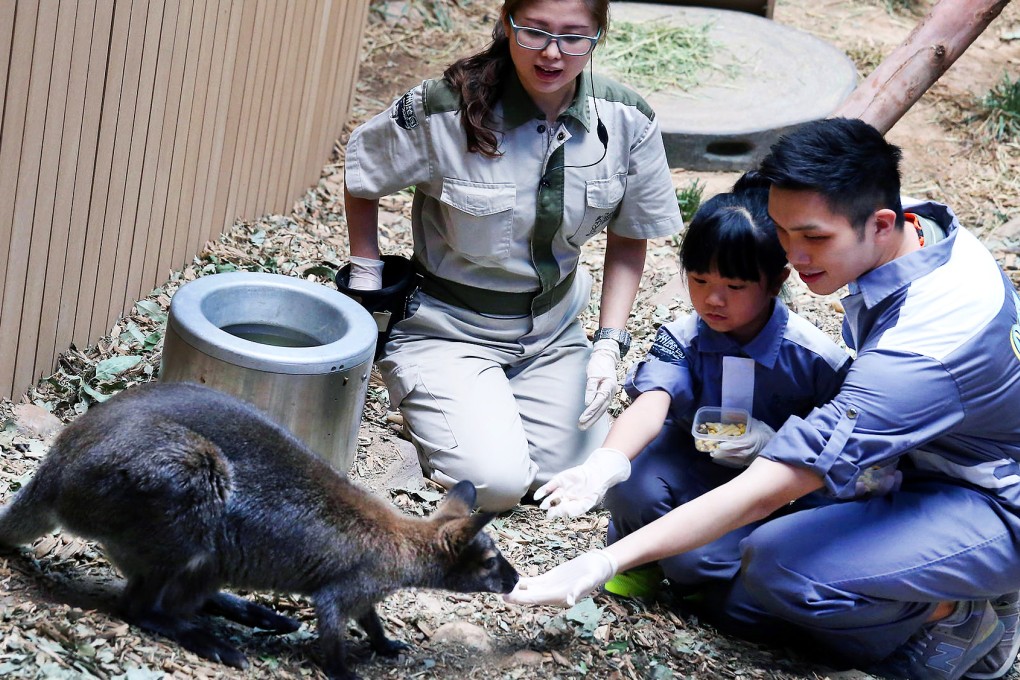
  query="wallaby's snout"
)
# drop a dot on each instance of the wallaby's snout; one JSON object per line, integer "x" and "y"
{"x": 486, "y": 570}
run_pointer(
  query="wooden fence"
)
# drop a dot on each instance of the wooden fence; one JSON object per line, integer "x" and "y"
{"x": 132, "y": 131}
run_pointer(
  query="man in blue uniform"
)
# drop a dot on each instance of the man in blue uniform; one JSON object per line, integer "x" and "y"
{"x": 920, "y": 582}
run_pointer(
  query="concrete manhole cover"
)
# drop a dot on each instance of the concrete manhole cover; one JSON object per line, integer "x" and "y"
{"x": 768, "y": 78}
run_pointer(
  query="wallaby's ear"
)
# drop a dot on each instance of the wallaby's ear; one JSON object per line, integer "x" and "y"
{"x": 457, "y": 533}
{"x": 459, "y": 501}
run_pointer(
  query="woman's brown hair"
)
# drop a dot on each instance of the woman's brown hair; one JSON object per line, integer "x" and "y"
{"x": 479, "y": 78}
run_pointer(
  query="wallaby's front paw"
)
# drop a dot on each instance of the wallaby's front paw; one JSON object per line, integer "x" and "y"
{"x": 249, "y": 613}
{"x": 388, "y": 647}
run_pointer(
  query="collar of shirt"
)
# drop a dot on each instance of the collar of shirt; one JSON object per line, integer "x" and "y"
{"x": 764, "y": 348}
{"x": 880, "y": 283}
{"x": 518, "y": 107}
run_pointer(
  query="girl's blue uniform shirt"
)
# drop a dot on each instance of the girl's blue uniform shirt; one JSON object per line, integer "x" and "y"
{"x": 797, "y": 367}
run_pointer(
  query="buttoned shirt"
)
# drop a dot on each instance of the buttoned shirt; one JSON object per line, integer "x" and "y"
{"x": 797, "y": 367}
{"x": 936, "y": 376}
{"x": 516, "y": 222}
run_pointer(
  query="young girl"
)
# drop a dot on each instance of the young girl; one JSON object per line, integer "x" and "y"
{"x": 735, "y": 268}
{"x": 518, "y": 157}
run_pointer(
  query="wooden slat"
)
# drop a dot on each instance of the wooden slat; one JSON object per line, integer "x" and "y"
{"x": 71, "y": 309}
{"x": 230, "y": 87}
{"x": 347, "y": 71}
{"x": 290, "y": 107}
{"x": 334, "y": 114}
{"x": 71, "y": 197}
{"x": 333, "y": 18}
{"x": 267, "y": 129}
{"x": 7, "y": 9}
{"x": 118, "y": 229}
{"x": 49, "y": 230}
{"x": 307, "y": 163}
{"x": 187, "y": 128}
{"x": 201, "y": 94}
{"x": 248, "y": 115}
{"x": 12, "y": 130}
{"x": 151, "y": 201}
{"x": 131, "y": 241}
{"x": 252, "y": 166}
{"x": 165, "y": 198}
{"x": 212, "y": 135}
{"x": 22, "y": 236}
{"x": 98, "y": 237}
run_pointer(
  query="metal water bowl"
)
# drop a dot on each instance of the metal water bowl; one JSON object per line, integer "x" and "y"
{"x": 298, "y": 350}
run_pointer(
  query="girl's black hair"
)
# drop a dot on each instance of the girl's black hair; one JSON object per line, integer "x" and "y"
{"x": 733, "y": 234}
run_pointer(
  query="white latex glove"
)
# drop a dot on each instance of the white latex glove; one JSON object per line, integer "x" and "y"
{"x": 564, "y": 584}
{"x": 601, "y": 385}
{"x": 739, "y": 454}
{"x": 576, "y": 490}
{"x": 366, "y": 273}
{"x": 878, "y": 480}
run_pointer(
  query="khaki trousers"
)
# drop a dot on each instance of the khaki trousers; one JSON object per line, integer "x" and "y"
{"x": 493, "y": 400}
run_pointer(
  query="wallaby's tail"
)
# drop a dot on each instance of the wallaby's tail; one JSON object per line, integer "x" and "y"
{"x": 28, "y": 516}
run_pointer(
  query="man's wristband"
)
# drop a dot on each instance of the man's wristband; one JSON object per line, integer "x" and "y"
{"x": 621, "y": 336}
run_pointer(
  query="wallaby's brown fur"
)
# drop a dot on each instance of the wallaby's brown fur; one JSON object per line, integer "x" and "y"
{"x": 190, "y": 490}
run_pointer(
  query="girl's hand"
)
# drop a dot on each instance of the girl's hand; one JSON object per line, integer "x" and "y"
{"x": 564, "y": 584}
{"x": 741, "y": 453}
{"x": 576, "y": 490}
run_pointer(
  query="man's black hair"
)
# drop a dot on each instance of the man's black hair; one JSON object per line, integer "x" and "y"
{"x": 734, "y": 234}
{"x": 845, "y": 160}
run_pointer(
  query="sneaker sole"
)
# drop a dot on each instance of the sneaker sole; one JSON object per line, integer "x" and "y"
{"x": 1004, "y": 668}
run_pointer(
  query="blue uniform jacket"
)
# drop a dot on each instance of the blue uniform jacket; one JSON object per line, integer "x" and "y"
{"x": 936, "y": 375}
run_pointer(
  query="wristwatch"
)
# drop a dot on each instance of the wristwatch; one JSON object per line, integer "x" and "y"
{"x": 621, "y": 336}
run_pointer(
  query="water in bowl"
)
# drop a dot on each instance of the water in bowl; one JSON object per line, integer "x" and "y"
{"x": 269, "y": 334}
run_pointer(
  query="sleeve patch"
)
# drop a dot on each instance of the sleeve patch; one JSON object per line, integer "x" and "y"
{"x": 666, "y": 347}
{"x": 403, "y": 112}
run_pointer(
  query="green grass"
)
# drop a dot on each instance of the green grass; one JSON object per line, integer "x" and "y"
{"x": 657, "y": 55}
{"x": 1001, "y": 107}
{"x": 689, "y": 198}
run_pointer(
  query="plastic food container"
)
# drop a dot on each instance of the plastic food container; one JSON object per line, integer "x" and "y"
{"x": 713, "y": 425}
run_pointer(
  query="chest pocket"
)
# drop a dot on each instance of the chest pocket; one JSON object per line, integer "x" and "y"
{"x": 480, "y": 217}
{"x": 602, "y": 197}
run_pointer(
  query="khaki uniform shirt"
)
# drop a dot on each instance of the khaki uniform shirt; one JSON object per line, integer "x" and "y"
{"x": 517, "y": 222}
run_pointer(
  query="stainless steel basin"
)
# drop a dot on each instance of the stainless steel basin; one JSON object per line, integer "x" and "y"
{"x": 298, "y": 350}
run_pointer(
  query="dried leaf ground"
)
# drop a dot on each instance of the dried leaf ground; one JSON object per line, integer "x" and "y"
{"x": 56, "y": 597}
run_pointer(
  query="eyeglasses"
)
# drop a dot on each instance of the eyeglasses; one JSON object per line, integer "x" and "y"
{"x": 568, "y": 43}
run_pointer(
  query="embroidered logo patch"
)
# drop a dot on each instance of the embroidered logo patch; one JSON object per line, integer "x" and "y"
{"x": 600, "y": 221}
{"x": 666, "y": 347}
{"x": 403, "y": 112}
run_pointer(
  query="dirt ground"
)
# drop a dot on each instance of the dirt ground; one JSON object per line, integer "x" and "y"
{"x": 56, "y": 598}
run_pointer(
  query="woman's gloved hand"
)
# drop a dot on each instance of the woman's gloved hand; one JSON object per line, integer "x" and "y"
{"x": 741, "y": 453}
{"x": 564, "y": 584}
{"x": 576, "y": 490}
{"x": 602, "y": 381}
{"x": 366, "y": 273}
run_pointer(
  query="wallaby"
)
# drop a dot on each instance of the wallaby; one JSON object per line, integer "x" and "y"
{"x": 189, "y": 490}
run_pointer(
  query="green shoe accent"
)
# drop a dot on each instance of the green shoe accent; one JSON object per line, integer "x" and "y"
{"x": 640, "y": 582}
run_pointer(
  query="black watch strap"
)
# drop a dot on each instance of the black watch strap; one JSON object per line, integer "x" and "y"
{"x": 621, "y": 336}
